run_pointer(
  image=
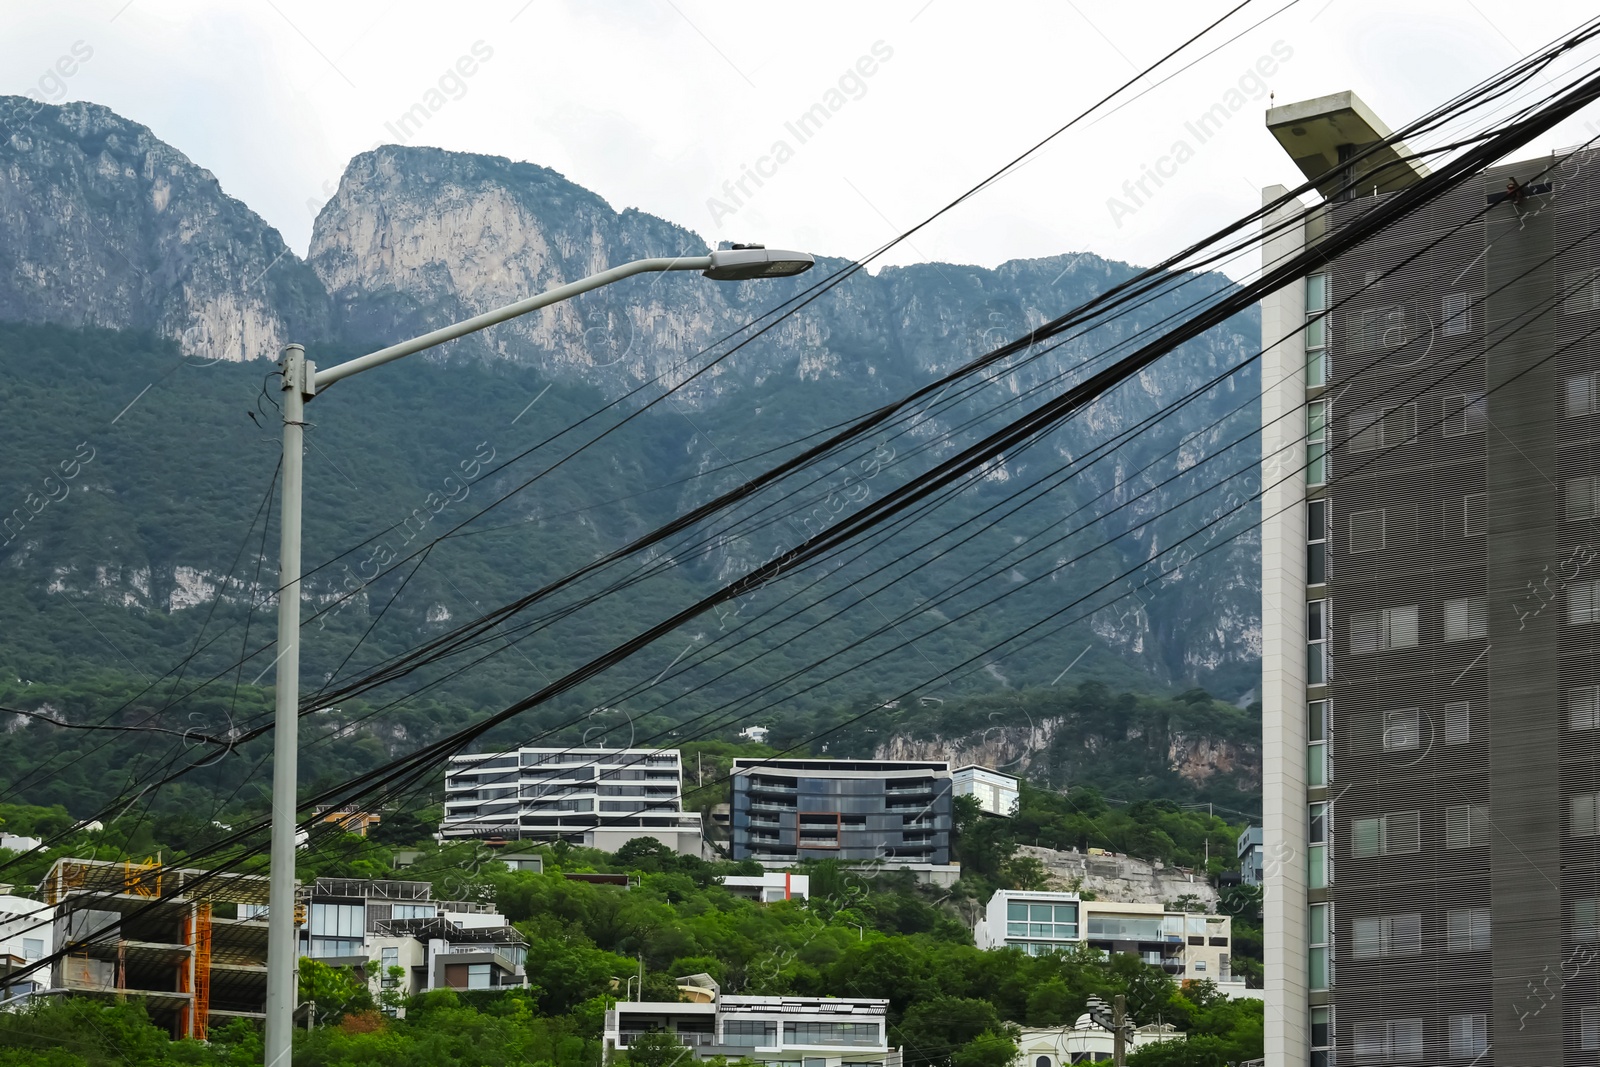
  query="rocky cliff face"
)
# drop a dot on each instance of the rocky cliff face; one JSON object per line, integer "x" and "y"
{"x": 104, "y": 224}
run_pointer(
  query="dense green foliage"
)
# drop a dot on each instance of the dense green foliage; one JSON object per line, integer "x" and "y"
{"x": 951, "y": 1005}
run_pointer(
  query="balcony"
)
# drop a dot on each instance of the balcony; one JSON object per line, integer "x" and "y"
{"x": 687, "y": 1039}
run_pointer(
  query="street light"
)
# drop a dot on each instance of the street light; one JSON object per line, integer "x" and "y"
{"x": 301, "y": 381}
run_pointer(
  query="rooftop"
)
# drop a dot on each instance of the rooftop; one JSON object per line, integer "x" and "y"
{"x": 1321, "y": 133}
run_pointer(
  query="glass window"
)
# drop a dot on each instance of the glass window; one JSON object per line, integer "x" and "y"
{"x": 1465, "y": 413}
{"x": 1316, "y": 292}
{"x": 819, "y": 1033}
{"x": 1586, "y": 919}
{"x": 1589, "y": 1030}
{"x": 1468, "y": 929}
{"x": 1016, "y": 912}
{"x": 477, "y": 976}
{"x": 750, "y": 1033}
{"x": 1316, "y": 542}
{"x": 1368, "y": 531}
{"x": 1474, "y": 514}
{"x": 1317, "y": 642}
{"x": 1317, "y": 442}
{"x": 1457, "y": 723}
{"x": 1455, "y": 313}
{"x": 1321, "y": 926}
{"x": 32, "y": 948}
{"x": 1402, "y": 729}
{"x": 1469, "y": 1035}
{"x": 1466, "y": 825}
{"x": 1584, "y": 815}
{"x": 1378, "y": 631}
{"x": 1583, "y": 602}
{"x": 1580, "y": 396}
{"x": 1316, "y": 330}
{"x": 1465, "y": 618}
{"x": 1581, "y": 497}
{"x": 1583, "y": 707}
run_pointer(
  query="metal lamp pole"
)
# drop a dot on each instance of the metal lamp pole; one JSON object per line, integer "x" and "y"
{"x": 301, "y": 380}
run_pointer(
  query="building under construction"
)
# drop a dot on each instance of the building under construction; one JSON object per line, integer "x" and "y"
{"x": 190, "y": 944}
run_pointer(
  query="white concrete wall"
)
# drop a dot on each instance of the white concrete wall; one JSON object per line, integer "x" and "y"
{"x": 1283, "y": 653}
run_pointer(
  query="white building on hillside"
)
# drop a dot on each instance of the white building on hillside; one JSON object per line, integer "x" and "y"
{"x": 798, "y": 1031}
{"x": 26, "y": 936}
{"x": 1083, "y": 1042}
{"x": 997, "y": 793}
{"x": 598, "y": 797}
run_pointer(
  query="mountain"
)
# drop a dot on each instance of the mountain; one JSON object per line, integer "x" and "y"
{"x": 142, "y": 300}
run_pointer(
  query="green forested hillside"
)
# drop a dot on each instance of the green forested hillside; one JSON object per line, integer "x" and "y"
{"x": 951, "y": 1005}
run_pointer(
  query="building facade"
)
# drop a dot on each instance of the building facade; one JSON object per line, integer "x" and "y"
{"x": 1190, "y": 946}
{"x": 436, "y": 944}
{"x": 997, "y": 793}
{"x": 1086, "y": 1041}
{"x": 597, "y": 797}
{"x": 779, "y": 1031}
{"x": 1251, "y": 855}
{"x": 1430, "y": 598}
{"x": 192, "y": 951}
{"x": 26, "y": 936}
{"x": 895, "y": 813}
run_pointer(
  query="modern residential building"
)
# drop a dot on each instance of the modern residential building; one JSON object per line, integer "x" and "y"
{"x": 769, "y": 887}
{"x": 438, "y": 944}
{"x": 1250, "y": 855}
{"x": 26, "y": 932}
{"x": 799, "y": 1031}
{"x": 1430, "y": 601}
{"x": 1037, "y": 921}
{"x": 997, "y": 793}
{"x": 1187, "y": 945}
{"x": 1190, "y": 946}
{"x": 894, "y": 813}
{"x": 599, "y": 797}
{"x": 1085, "y": 1041}
{"x": 190, "y": 945}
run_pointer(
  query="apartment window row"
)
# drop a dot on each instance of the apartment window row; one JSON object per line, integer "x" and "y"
{"x": 1386, "y": 937}
{"x": 1403, "y": 727}
{"x": 1465, "y": 618}
{"x": 1368, "y": 528}
{"x": 1385, "y": 629}
{"x": 1395, "y": 834}
{"x": 1401, "y": 1040}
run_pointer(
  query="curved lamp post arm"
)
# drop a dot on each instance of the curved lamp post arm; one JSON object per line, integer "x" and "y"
{"x": 510, "y": 311}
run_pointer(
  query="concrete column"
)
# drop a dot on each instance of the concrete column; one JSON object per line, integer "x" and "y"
{"x": 1283, "y": 650}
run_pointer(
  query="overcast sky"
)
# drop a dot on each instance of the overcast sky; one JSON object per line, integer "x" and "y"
{"x": 665, "y": 105}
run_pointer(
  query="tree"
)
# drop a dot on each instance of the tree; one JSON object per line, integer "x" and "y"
{"x": 332, "y": 992}
{"x": 656, "y": 1049}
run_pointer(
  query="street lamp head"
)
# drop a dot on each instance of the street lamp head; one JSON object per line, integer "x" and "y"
{"x": 744, "y": 262}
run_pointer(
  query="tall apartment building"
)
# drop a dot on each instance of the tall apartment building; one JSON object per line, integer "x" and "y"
{"x": 598, "y": 797}
{"x": 892, "y": 812}
{"x": 1430, "y": 601}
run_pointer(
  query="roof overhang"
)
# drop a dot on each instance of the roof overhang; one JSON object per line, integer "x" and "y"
{"x": 1320, "y": 134}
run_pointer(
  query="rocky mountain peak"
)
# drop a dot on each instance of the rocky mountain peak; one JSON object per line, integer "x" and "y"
{"x": 104, "y": 224}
